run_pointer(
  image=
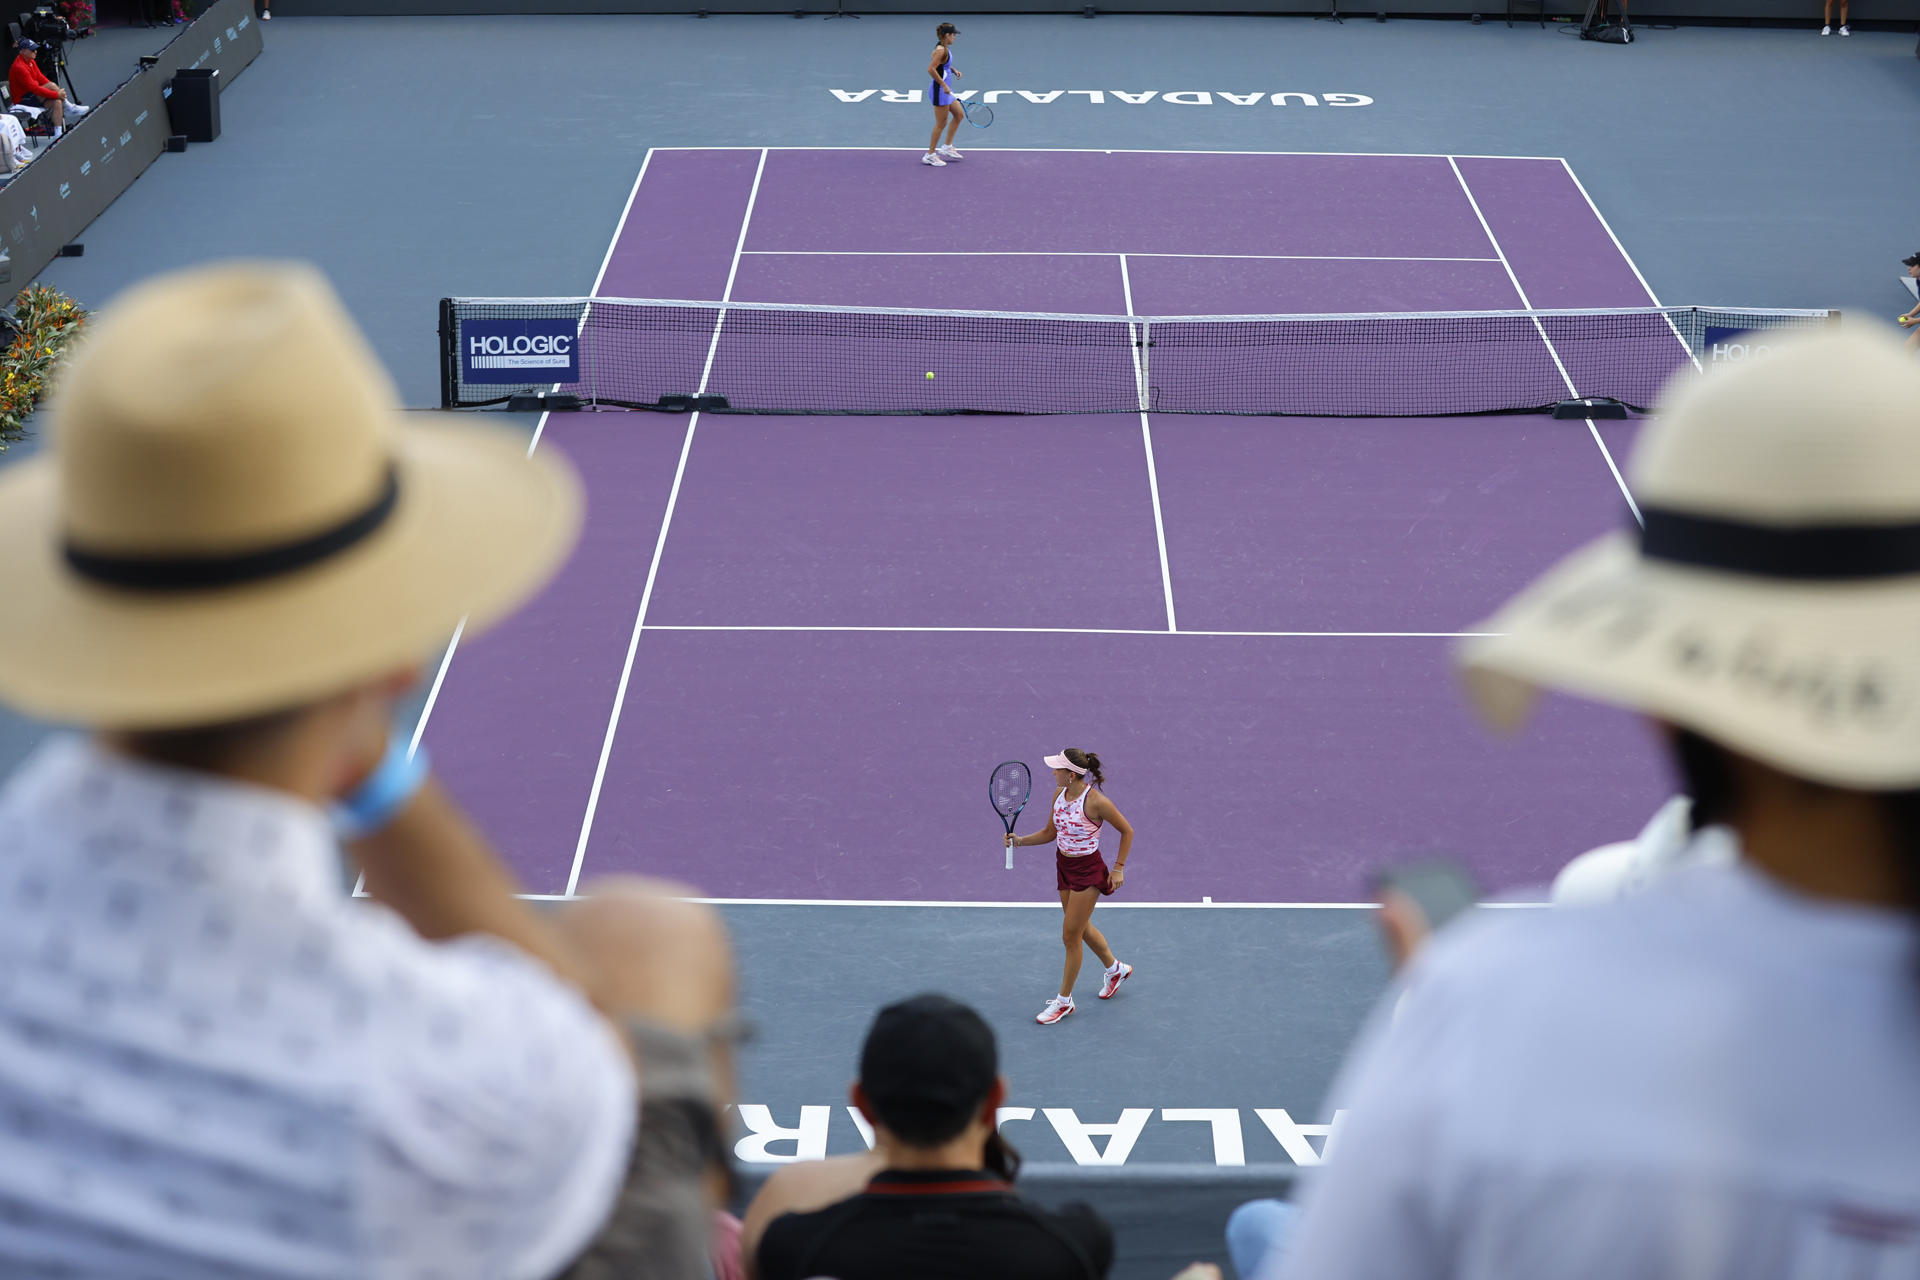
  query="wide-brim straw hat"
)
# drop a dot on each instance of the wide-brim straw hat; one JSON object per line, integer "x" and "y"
{"x": 233, "y": 517}
{"x": 1772, "y": 602}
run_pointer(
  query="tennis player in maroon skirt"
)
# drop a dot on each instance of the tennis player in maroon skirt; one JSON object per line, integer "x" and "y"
{"x": 1080, "y": 808}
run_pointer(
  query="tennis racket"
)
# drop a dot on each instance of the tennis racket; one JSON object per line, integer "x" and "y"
{"x": 1009, "y": 788}
{"x": 980, "y": 115}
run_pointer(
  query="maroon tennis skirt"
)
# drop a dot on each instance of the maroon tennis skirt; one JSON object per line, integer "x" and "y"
{"x": 1089, "y": 871}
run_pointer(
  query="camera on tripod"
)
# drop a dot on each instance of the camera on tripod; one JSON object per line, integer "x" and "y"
{"x": 44, "y": 26}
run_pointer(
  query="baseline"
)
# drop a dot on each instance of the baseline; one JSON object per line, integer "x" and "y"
{"x": 1151, "y": 151}
{"x": 1206, "y": 904}
{"x": 1084, "y": 631}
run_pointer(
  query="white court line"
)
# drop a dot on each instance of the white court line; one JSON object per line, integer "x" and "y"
{"x": 1565, "y": 377}
{"x": 1146, "y": 439}
{"x": 540, "y": 427}
{"x": 433, "y": 694}
{"x": 1209, "y": 905}
{"x": 1605, "y": 226}
{"x": 1628, "y": 259}
{"x": 660, "y": 544}
{"x": 420, "y": 725}
{"x": 1149, "y": 151}
{"x": 1095, "y": 631}
{"x": 1098, "y": 253}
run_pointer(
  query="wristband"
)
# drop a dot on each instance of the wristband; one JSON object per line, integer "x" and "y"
{"x": 379, "y": 799}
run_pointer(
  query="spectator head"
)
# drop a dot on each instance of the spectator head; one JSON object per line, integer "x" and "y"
{"x": 930, "y": 1076}
{"x": 1766, "y": 614}
{"x": 233, "y": 521}
{"x": 27, "y": 46}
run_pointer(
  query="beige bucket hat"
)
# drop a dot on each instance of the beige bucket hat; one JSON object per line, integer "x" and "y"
{"x": 1772, "y": 602}
{"x": 232, "y": 517}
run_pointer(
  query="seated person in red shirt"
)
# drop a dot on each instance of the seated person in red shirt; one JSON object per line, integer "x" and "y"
{"x": 28, "y": 86}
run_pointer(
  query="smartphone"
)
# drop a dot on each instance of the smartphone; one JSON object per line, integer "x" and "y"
{"x": 1440, "y": 888}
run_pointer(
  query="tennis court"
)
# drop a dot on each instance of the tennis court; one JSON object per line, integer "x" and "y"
{"x": 789, "y": 649}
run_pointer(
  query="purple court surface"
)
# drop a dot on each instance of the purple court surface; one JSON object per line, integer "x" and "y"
{"x": 789, "y": 650}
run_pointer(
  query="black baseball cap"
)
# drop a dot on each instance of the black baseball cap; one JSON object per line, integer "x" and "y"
{"x": 926, "y": 1064}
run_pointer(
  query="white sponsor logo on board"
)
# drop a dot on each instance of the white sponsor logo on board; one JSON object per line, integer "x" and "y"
{"x": 768, "y": 1141}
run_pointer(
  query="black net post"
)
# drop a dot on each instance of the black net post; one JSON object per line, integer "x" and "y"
{"x": 449, "y": 358}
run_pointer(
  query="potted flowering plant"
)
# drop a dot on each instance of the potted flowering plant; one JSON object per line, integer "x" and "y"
{"x": 47, "y": 322}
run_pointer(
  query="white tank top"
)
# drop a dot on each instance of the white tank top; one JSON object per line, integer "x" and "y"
{"x": 1075, "y": 835}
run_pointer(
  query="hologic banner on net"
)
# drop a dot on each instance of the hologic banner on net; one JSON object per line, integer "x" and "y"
{"x": 514, "y": 352}
{"x": 774, "y": 358}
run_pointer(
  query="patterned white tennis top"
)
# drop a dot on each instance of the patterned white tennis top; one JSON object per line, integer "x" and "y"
{"x": 1075, "y": 834}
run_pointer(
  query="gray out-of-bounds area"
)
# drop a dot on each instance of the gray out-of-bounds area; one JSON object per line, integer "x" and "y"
{"x": 413, "y": 158}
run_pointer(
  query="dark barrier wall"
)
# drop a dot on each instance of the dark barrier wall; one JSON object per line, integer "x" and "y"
{"x": 74, "y": 180}
{"x": 1904, "y": 12}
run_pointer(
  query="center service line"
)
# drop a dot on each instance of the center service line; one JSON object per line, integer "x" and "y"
{"x": 1146, "y": 437}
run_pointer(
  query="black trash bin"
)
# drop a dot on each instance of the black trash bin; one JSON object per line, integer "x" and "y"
{"x": 193, "y": 103}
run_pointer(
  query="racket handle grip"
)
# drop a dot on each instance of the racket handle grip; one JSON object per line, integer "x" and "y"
{"x": 1009, "y": 857}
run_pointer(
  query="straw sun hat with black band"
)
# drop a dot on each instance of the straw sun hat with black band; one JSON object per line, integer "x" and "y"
{"x": 1772, "y": 602}
{"x": 232, "y": 518}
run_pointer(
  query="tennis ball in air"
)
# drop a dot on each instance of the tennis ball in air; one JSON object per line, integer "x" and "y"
{"x": 929, "y": 375}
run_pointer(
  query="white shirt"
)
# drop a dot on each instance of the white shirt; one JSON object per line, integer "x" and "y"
{"x": 213, "y": 1062}
{"x": 1714, "y": 1079}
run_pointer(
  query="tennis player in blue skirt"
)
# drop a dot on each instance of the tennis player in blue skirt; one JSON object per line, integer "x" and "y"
{"x": 947, "y": 110}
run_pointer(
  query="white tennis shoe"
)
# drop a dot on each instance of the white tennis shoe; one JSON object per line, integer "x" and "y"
{"x": 1057, "y": 1008}
{"x": 1844, "y": 31}
{"x": 951, "y": 154}
{"x": 1114, "y": 979}
{"x": 933, "y": 160}
{"x": 1826, "y": 31}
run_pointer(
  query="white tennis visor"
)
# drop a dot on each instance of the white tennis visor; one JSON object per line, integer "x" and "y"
{"x": 1061, "y": 762}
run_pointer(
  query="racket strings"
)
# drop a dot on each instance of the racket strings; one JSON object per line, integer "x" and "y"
{"x": 1012, "y": 783}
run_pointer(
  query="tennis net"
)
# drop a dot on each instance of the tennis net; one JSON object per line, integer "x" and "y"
{"x": 743, "y": 357}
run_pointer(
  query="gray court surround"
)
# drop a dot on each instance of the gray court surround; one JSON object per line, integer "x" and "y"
{"x": 414, "y": 158}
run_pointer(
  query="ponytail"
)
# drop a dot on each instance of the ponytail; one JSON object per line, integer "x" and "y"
{"x": 1090, "y": 762}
